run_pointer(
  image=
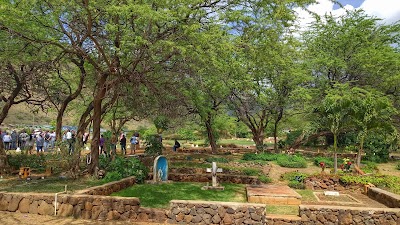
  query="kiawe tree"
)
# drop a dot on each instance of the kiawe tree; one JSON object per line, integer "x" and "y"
{"x": 269, "y": 64}
{"x": 334, "y": 114}
{"x": 371, "y": 110}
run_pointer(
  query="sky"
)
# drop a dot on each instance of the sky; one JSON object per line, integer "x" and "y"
{"x": 387, "y": 10}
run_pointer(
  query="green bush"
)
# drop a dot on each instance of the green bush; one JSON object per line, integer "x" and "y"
{"x": 261, "y": 156}
{"x": 292, "y": 136}
{"x": 251, "y": 171}
{"x": 291, "y": 161}
{"x": 383, "y": 181}
{"x": 369, "y": 167}
{"x": 37, "y": 162}
{"x": 122, "y": 167}
{"x": 154, "y": 145}
{"x": 294, "y": 176}
{"x": 398, "y": 166}
{"x": 265, "y": 179}
{"x": 217, "y": 159}
{"x": 296, "y": 185}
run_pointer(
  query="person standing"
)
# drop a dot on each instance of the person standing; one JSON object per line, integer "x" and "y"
{"x": 72, "y": 145}
{"x": 133, "y": 144}
{"x": 46, "y": 141}
{"x": 14, "y": 139}
{"x": 7, "y": 141}
{"x": 122, "y": 142}
{"x": 85, "y": 138}
{"x": 39, "y": 143}
{"x": 53, "y": 139}
{"x": 68, "y": 138}
{"x": 113, "y": 145}
{"x": 101, "y": 145}
{"x": 30, "y": 142}
{"x": 23, "y": 137}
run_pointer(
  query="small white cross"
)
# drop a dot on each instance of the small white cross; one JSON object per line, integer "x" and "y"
{"x": 214, "y": 170}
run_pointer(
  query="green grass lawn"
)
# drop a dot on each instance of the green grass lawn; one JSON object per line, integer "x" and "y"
{"x": 47, "y": 185}
{"x": 282, "y": 209}
{"x": 159, "y": 195}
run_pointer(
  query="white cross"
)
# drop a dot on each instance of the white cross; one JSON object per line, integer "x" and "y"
{"x": 214, "y": 170}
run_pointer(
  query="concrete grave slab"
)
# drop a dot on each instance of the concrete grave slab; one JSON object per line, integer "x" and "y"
{"x": 272, "y": 195}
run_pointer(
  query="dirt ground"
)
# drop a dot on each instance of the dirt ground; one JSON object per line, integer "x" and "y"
{"x": 276, "y": 171}
{"x": 7, "y": 218}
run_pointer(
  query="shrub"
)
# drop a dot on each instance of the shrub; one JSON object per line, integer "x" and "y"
{"x": 154, "y": 145}
{"x": 296, "y": 185}
{"x": 251, "y": 171}
{"x": 122, "y": 167}
{"x": 369, "y": 167}
{"x": 398, "y": 166}
{"x": 262, "y": 156}
{"x": 265, "y": 179}
{"x": 217, "y": 159}
{"x": 292, "y": 136}
{"x": 291, "y": 161}
{"x": 385, "y": 181}
{"x": 294, "y": 176}
{"x": 34, "y": 161}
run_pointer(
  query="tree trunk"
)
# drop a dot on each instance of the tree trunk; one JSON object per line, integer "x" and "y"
{"x": 83, "y": 123}
{"x": 60, "y": 115}
{"x": 69, "y": 98}
{"x": 258, "y": 138}
{"x": 97, "y": 112}
{"x": 335, "y": 153}
{"x": 210, "y": 134}
{"x": 276, "y": 130}
{"x": 360, "y": 151}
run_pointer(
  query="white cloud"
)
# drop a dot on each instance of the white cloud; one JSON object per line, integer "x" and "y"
{"x": 388, "y": 10}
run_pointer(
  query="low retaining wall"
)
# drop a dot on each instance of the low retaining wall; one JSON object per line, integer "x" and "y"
{"x": 109, "y": 188}
{"x": 387, "y": 198}
{"x": 202, "y": 212}
{"x": 320, "y": 214}
{"x": 79, "y": 206}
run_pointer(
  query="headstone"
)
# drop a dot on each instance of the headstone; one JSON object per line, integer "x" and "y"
{"x": 331, "y": 193}
{"x": 214, "y": 170}
{"x": 160, "y": 169}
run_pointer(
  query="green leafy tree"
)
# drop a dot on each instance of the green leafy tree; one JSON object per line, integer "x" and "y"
{"x": 353, "y": 47}
{"x": 334, "y": 113}
{"x": 371, "y": 110}
{"x": 269, "y": 64}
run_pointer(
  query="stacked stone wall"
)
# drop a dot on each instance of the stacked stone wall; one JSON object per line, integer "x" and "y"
{"x": 387, "y": 198}
{"x": 78, "y": 206}
{"x": 313, "y": 214}
{"x": 202, "y": 212}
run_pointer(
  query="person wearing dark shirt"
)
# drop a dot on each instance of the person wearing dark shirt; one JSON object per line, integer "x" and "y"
{"x": 176, "y": 146}
{"x": 122, "y": 142}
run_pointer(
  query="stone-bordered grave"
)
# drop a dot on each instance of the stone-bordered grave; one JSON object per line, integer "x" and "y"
{"x": 272, "y": 195}
{"x": 333, "y": 197}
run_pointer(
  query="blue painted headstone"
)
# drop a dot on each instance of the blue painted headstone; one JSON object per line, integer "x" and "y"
{"x": 160, "y": 169}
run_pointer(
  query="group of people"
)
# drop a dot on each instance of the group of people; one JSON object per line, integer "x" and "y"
{"x": 43, "y": 140}
{"x": 134, "y": 141}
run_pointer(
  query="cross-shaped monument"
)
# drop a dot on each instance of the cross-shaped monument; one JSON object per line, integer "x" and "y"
{"x": 214, "y": 170}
